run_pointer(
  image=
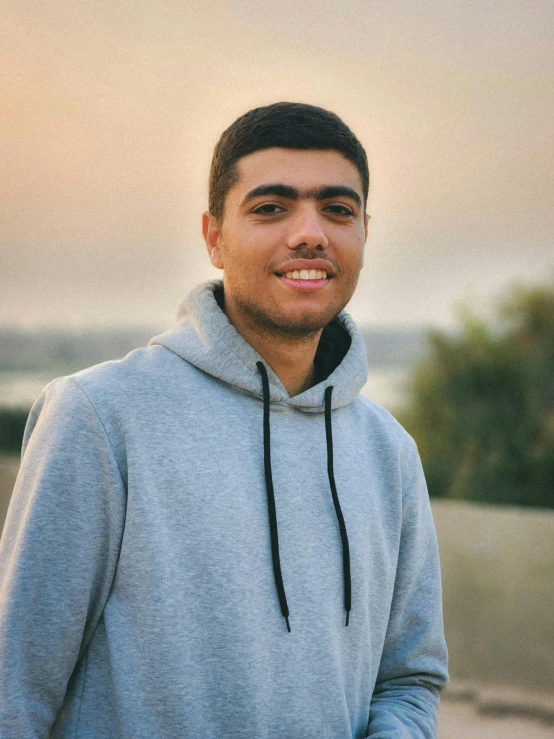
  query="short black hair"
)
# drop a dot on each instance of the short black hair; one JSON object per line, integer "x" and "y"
{"x": 285, "y": 125}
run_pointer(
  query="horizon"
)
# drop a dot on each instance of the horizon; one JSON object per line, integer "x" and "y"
{"x": 112, "y": 112}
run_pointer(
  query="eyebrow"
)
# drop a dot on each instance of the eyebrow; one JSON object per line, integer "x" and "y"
{"x": 325, "y": 192}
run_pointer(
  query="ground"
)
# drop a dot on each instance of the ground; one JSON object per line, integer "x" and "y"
{"x": 459, "y": 720}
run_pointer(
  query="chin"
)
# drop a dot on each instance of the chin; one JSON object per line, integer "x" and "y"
{"x": 274, "y": 318}
{"x": 300, "y": 323}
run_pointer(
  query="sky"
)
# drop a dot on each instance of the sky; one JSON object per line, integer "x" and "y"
{"x": 111, "y": 110}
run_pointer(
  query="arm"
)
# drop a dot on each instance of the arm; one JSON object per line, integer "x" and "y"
{"x": 58, "y": 555}
{"x": 413, "y": 666}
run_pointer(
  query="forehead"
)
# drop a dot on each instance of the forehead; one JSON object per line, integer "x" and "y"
{"x": 302, "y": 169}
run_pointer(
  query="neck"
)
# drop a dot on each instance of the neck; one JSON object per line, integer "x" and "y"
{"x": 290, "y": 357}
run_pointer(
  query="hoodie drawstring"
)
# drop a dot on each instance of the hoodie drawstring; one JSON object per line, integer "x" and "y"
{"x": 338, "y": 510}
{"x": 271, "y": 502}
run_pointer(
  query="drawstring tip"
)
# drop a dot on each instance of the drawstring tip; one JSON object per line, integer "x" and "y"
{"x": 347, "y": 618}
{"x": 288, "y": 625}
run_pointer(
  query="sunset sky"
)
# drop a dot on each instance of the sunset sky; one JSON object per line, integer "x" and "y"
{"x": 110, "y": 111}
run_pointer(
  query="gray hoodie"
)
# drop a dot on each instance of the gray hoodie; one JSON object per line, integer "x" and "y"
{"x": 143, "y": 584}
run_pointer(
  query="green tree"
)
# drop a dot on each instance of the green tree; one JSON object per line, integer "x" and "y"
{"x": 12, "y": 426}
{"x": 481, "y": 406}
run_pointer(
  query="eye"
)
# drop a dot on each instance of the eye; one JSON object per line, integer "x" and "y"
{"x": 268, "y": 209}
{"x": 339, "y": 210}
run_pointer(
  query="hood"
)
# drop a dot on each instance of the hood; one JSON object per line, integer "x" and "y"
{"x": 204, "y": 337}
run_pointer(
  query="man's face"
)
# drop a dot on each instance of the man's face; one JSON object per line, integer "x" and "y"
{"x": 291, "y": 240}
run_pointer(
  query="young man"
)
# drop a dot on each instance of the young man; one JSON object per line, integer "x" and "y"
{"x": 217, "y": 536}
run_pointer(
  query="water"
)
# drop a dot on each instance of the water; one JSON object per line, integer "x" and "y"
{"x": 385, "y": 386}
{"x": 21, "y": 389}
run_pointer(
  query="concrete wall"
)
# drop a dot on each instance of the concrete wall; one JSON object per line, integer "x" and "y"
{"x": 498, "y": 585}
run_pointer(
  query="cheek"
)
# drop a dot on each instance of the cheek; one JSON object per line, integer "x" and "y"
{"x": 246, "y": 255}
{"x": 239, "y": 265}
{"x": 355, "y": 257}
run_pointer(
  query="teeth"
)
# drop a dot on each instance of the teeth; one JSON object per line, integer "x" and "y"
{"x": 305, "y": 274}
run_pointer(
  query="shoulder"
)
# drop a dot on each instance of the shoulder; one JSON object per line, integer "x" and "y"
{"x": 394, "y": 446}
{"x": 128, "y": 374}
{"x": 114, "y": 388}
{"x": 143, "y": 375}
{"x": 104, "y": 399}
{"x": 384, "y": 423}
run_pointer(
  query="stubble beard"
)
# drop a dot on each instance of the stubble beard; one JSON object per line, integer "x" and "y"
{"x": 275, "y": 323}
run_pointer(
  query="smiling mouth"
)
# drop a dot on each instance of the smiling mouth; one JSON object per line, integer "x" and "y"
{"x": 306, "y": 275}
{"x": 305, "y": 280}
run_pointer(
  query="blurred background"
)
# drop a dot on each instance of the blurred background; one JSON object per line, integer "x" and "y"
{"x": 110, "y": 114}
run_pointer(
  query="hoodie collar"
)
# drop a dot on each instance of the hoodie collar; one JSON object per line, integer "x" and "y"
{"x": 204, "y": 337}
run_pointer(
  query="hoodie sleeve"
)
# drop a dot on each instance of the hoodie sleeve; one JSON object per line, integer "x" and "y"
{"x": 413, "y": 666}
{"x": 58, "y": 555}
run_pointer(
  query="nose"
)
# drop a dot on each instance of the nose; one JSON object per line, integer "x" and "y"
{"x": 307, "y": 230}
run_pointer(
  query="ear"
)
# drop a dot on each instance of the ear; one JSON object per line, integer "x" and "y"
{"x": 211, "y": 232}
{"x": 366, "y": 229}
